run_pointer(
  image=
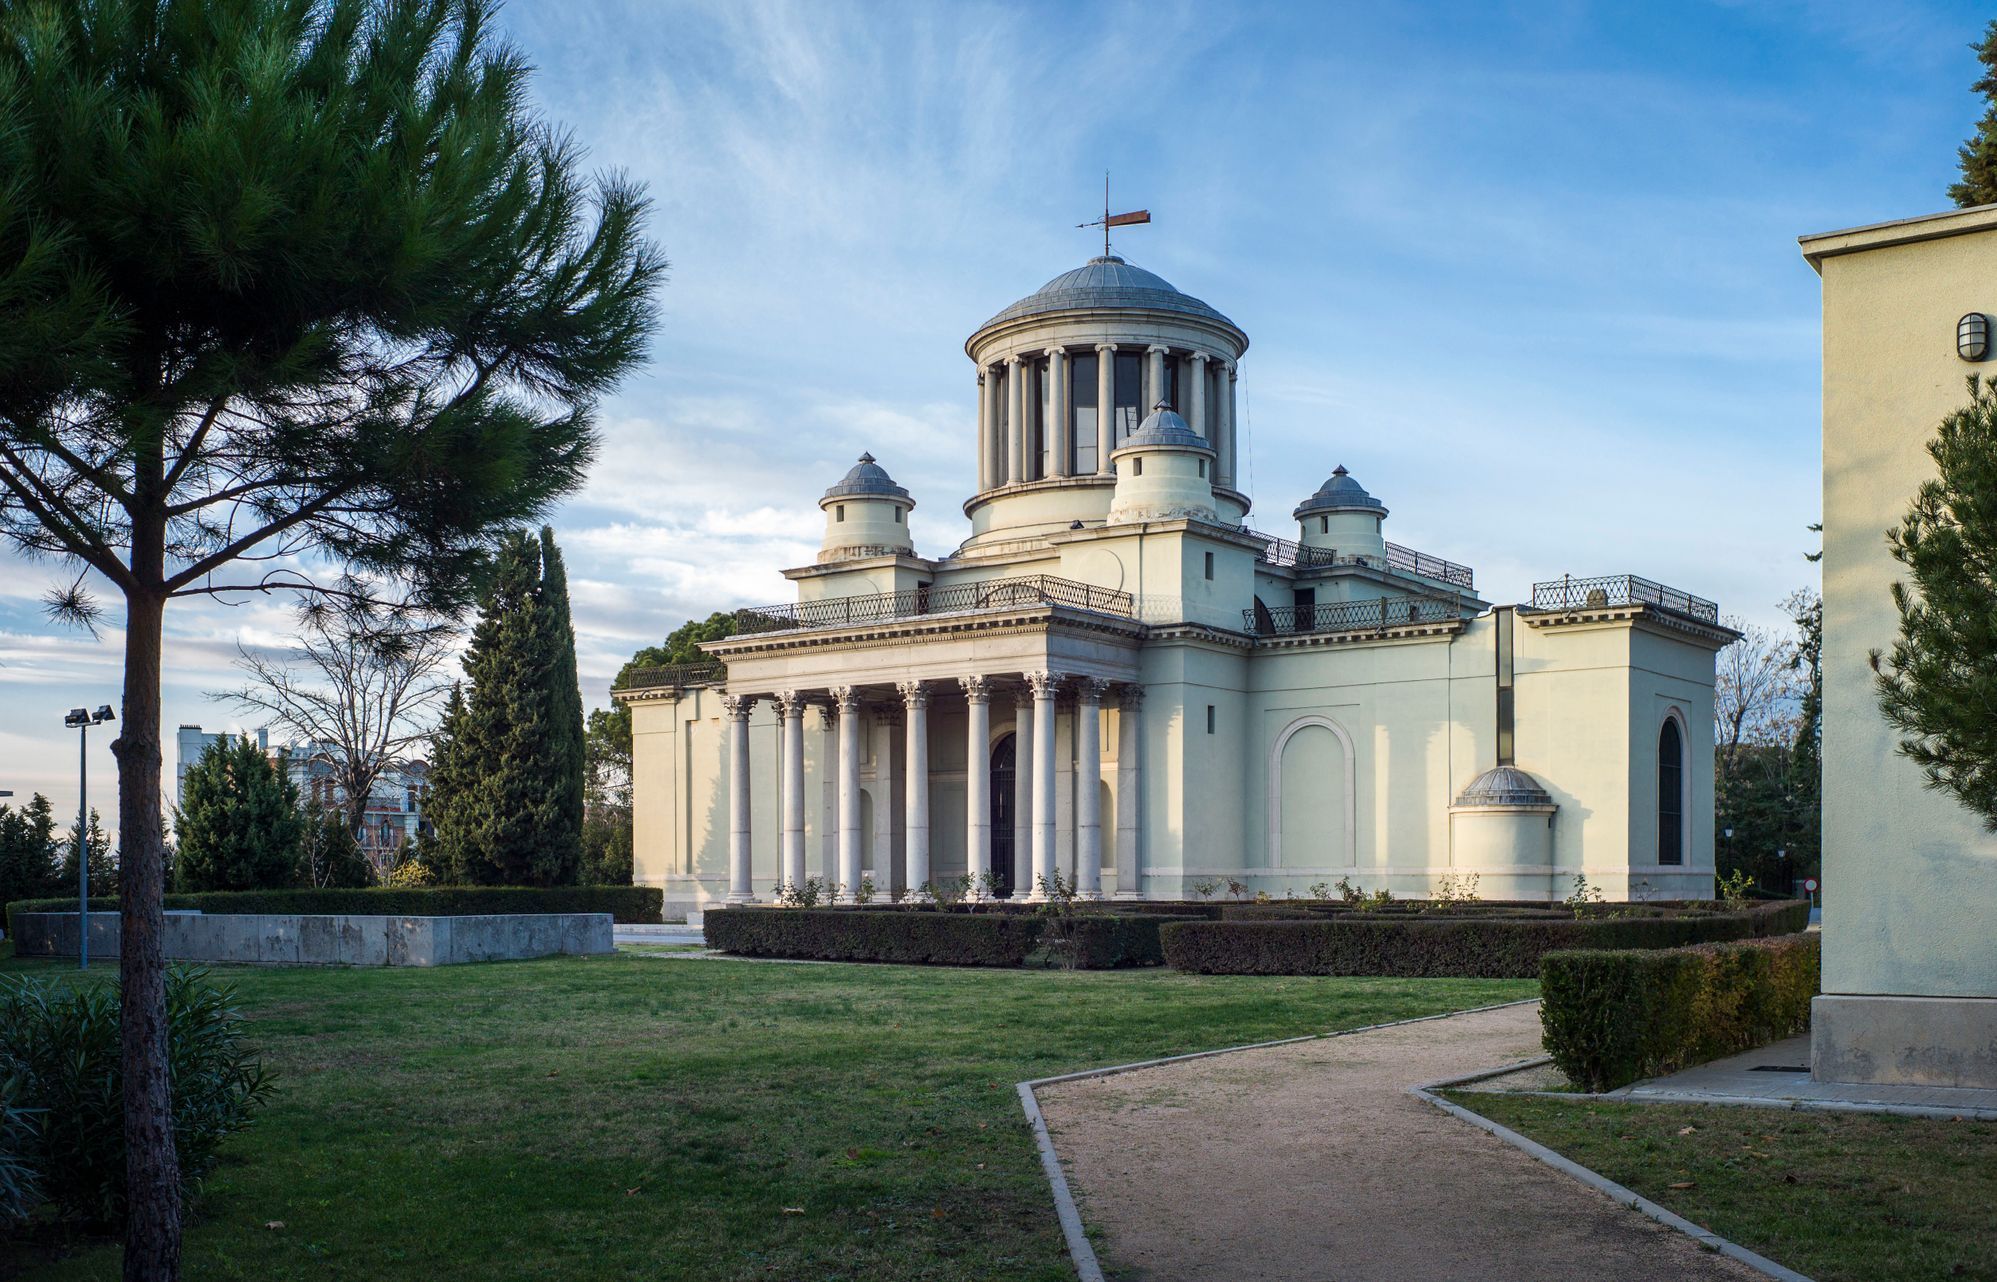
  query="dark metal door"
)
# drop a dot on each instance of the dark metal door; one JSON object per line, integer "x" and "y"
{"x": 1003, "y": 771}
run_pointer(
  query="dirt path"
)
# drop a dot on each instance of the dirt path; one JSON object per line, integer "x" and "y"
{"x": 1311, "y": 1161}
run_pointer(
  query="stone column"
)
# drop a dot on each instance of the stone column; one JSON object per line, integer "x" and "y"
{"x": 984, "y": 435}
{"x": 1129, "y": 791}
{"x": 1015, "y": 429}
{"x": 1088, "y": 788}
{"x": 1045, "y": 686}
{"x": 849, "y": 790}
{"x": 1105, "y": 406}
{"x": 915, "y": 700}
{"x": 1196, "y": 399}
{"x": 828, "y": 839}
{"x": 977, "y": 775}
{"x": 1230, "y": 456}
{"x": 1154, "y": 378}
{"x": 1022, "y": 793}
{"x": 741, "y": 890}
{"x": 1062, "y": 448}
{"x": 887, "y": 803}
{"x": 790, "y": 712}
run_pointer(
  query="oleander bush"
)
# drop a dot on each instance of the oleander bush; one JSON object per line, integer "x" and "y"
{"x": 59, "y": 1060}
{"x": 624, "y": 903}
{"x": 1614, "y": 1017}
{"x": 20, "y": 1190}
{"x": 1467, "y": 944}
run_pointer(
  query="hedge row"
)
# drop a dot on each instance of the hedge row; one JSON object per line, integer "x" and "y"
{"x": 1472, "y": 946}
{"x": 624, "y": 903}
{"x": 1612, "y": 1018}
{"x": 1084, "y": 941}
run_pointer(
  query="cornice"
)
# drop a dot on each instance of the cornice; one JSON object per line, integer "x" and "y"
{"x": 1033, "y": 619}
{"x": 1399, "y": 632}
{"x": 1647, "y": 617}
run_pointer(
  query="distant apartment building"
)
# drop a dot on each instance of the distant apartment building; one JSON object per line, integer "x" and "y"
{"x": 394, "y": 813}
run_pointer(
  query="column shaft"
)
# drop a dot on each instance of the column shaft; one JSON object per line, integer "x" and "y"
{"x": 977, "y": 776}
{"x": 828, "y": 828}
{"x": 1045, "y": 686}
{"x": 1232, "y": 455}
{"x": 1088, "y": 790}
{"x": 790, "y": 708}
{"x": 1022, "y": 795}
{"x": 1015, "y": 432}
{"x": 915, "y": 700}
{"x": 1105, "y": 405}
{"x": 1064, "y": 419}
{"x": 1129, "y": 792}
{"x": 1154, "y": 380}
{"x": 1196, "y": 398}
{"x": 741, "y": 889}
{"x": 984, "y": 435}
{"x": 849, "y": 790}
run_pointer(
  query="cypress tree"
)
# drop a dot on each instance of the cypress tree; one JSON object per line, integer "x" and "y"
{"x": 446, "y": 806}
{"x": 565, "y": 757}
{"x": 239, "y": 826}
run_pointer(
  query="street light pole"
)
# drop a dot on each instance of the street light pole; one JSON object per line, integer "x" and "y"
{"x": 83, "y": 720}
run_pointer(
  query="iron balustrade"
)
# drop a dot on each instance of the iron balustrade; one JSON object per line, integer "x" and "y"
{"x": 914, "y": 603}
{"x": 1376, "y": 615}
{"x": 673, "y": 676}
{"x": 1569, "y": 593}
{"x": 1288, "y": 552}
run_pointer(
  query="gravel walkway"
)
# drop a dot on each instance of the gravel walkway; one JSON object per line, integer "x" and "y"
{"x": 1311, "y": 1161}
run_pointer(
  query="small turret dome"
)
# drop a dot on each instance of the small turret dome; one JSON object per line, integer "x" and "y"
{"x": 1163, "y": 428}
{"x": 1340, "y": 494}
{"x": 1504, "y": 786}
{"x": 867, "y": 479}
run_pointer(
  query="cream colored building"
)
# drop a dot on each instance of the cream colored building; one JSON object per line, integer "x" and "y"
{"x": 1910, "y": 877}
{"x": 1116, "y": 680}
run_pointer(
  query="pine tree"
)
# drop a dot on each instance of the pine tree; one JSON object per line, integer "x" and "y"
{"x": 103, "y": 860}
{"x": 28, "y": 868}
{"x": 239, "y": 825}
{"x": 1939, "y": 683}
{"x": 1979, "y": 154}
{"x": 565, "y": 757}
{"x": 447, "y": 805}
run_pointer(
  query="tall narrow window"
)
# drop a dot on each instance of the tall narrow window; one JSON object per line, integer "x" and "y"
{"x": 1170, "y": 392}
{"x": 1084, "y": 382}
{"x": 1670, "y": 794}
{"x": 1129, "y": 392}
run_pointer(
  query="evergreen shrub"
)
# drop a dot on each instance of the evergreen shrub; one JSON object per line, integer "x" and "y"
{"x": 835, "y": 934}
{"x": 1615, "y": 1017}
{"x": 59, "y": 1057}
{"x": 623, "y": 903}
{"x": 1464, "y": 944}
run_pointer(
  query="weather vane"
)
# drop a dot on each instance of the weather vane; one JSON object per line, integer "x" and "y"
{"x": 1109, "y": 220}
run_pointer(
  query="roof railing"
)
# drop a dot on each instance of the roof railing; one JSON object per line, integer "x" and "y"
{"x": 670, "y": 676}
{"x": 1377, "y": 615}
{"x": 1568, "y": 593}
{"x": 957, "y": 598}
{"x": 1288, "y": 552}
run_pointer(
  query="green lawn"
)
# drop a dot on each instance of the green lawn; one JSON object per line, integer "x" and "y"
{"x": 1842, "y": 1197}
{"x": 642, "y": 1116}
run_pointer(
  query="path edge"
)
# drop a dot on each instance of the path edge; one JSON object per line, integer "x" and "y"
{"x": 1081, "y": 1252}
{"x": 1594, "y": 1179}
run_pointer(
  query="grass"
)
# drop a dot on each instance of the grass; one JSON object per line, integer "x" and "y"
{"x": 640, "y": 1116}
{"x": 1838, "y": 1196}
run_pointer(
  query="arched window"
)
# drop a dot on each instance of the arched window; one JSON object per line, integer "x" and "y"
{"x": 1670, "y": 793}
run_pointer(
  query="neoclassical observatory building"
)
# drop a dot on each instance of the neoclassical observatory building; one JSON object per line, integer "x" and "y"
{"x": 1115, "y": 678}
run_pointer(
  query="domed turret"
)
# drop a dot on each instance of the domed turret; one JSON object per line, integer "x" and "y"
{"x": 866, "y": 514}
{"x": 1501, "y": 828}
{"x": 1164, "y": 470}
{"x": 1343, "y": 517}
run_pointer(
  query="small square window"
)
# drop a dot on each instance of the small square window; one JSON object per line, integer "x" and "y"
{"x": 839, "y": 511}
{"x": 1209, "y": 565}
{"x": 1324, "y": 525}
{"x": 897, "y": 516}
{"x": 1137, "y": 467}
{"x": 1203, "y": 469}
{"x": 1209, "y": 718}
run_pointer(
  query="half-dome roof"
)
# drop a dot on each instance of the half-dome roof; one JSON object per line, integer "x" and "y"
{"x": 1340, "y": 494}
{"x": 1106, "y": 281}
{"x": 867, "y": 479}
{"x": 1162, "y": 428}
{"x": 1504, "y": 786}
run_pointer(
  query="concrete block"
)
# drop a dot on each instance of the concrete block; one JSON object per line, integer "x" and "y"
{"x": 1918, "y": 1041}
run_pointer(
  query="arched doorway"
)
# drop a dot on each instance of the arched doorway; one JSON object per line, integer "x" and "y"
{"x": 1004, "y": 768}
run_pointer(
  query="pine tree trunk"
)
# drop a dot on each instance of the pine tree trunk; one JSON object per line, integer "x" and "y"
{"x": 152, "y": 1169}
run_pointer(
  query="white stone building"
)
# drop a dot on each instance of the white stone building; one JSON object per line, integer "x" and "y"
{"x": 1117, "y": 680}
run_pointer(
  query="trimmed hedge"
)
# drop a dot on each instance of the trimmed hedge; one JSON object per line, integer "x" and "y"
{"x": 1612, "y": 1018}
{"x": 623, "y": 903}
{"x": 1443, "y": 943}
{"x": 834, "y": 934}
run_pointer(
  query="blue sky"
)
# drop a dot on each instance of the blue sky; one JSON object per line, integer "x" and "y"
{"x": 1528, "y": 270}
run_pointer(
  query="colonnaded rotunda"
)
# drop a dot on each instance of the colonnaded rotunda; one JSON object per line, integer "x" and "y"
{"x": 1117, "y": 680}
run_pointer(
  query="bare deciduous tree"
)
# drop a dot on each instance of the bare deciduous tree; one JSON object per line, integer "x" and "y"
{"x": 1754, "y": 690}
{"x": 356, "y": 694}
